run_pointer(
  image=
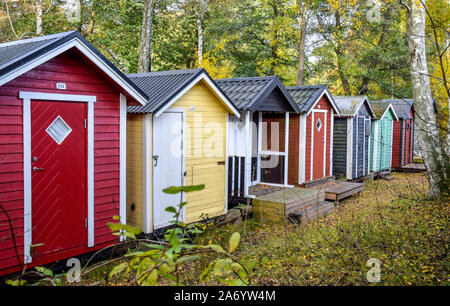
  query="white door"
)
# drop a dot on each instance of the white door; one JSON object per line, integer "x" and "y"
{"x": 167, "y": 165}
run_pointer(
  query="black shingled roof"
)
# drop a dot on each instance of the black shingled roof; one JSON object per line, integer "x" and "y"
{"x": 248, "y": 92}
{"x": 306, "y": 96}
{"x": 15, "y": 54}
{"x": 401, "y": 106}
{"x": 162, "y": 86}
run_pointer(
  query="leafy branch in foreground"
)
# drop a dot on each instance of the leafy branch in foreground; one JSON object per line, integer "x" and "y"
{"x": 165, "y": 261}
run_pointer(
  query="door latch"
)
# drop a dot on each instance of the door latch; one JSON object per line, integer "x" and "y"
{"x": 155, "y": 158}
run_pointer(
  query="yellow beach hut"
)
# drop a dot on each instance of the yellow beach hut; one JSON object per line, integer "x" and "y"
{"x": 178, "y": 138}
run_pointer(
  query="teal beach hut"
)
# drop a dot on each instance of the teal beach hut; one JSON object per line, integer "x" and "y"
{"x": 381, "y": 136}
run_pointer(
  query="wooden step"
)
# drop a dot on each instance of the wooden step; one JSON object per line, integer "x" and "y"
{"x": 313, "y": 213}
{"x": 278, "y": 205}
{"x": 338, "y": 190}
{"x": 385, "y": 175}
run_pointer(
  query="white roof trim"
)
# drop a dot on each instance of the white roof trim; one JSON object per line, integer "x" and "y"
{"x": 202, "y": 76}
{"x": 385, "y": 112}
{"x": 74, "y": 43}
{"x": 325, "y": 92}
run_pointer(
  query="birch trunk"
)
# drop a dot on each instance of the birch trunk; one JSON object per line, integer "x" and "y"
{"x": 302, "y": 42}
{"x": 146, "y": 37}
{"x": 38, "y": 17}
{"x": 431, "y": 146}
{"x": 200, "y": 41}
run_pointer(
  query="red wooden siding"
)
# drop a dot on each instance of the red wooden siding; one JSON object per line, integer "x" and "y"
{"x": 396, "y": 143}
{"x": 81, "y": 78}
{"x": 294, "y": 148}
{"x": 402, "y": 142}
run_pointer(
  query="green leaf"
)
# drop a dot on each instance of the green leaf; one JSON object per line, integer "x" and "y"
{"x": 118, "y": 269}
{"x": 194, "y": 231}
{"x": 205, "y": 274}
{"x": 187, "y": 258}
{"x": 167, "y": 268}
{"x": 174, "y": 189}
{"x": 222, "y": 267}
{"x": 117, "y": 227}
{"x": 16, "y": 282}
{"x": 234, "y": 241}
{"x": 171, "y": 209}
{"x": 45, "y": 271}
{"x": 154, "y": 246}
{"x": 214, "y": 247}
{"x": 150, "y": 278}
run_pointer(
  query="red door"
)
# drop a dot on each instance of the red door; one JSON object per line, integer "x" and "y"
{"x": 319, "y": 144}
{"x": 59, "y": 197}
{"x": 407, "y": 149}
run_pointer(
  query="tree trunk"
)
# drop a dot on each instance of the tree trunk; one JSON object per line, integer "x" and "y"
{"x": 340, "y": 64}
{"x": 200, "y": 41}
{"x": 38, "y": 17}
{"x": 432, "y": 148}
{"x": 301, "y": 46}
{"x": 146, "y": 37}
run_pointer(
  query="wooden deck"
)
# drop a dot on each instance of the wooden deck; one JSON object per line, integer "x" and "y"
{"x": 414, "y": 167}
{"x": 337, "y": 190}
{"x": 297, "y": 203}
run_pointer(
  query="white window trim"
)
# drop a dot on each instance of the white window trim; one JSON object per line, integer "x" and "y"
{"x": 27, "y": 97}
{"x": 78, "y": 44}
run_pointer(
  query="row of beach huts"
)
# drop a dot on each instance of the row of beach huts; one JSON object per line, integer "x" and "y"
{"x": 81, "y": 142}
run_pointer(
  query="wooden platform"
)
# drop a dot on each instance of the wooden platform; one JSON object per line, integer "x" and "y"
{"x": 338, "y": 190}
{"x": 414, "y": 167}
{"x": 279, "y": 205}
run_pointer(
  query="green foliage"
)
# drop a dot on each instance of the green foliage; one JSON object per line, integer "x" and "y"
{"x": 391, "y": 221}
{"x": 344, "y": 49}
{"x": 164, "y": 261}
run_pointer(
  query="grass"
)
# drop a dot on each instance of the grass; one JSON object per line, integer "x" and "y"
{"x": 390, "y": 221}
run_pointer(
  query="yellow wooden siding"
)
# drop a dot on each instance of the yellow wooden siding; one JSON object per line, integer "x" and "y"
{"x": 201, "y": 169}
{"x": 135, "y": 170}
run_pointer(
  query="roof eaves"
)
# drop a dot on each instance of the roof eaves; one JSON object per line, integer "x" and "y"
{"x": 264, "y": 93}
{"x": 64, "y": 39}
{"x": 157, "y": 107}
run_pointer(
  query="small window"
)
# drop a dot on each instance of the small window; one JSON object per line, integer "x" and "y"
{"x": 319, "y": 125}
{"x": 58, "y": 130}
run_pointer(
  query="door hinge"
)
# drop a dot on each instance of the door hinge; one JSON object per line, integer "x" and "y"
{"x": 85, "y": 222}
{"x": 85, "y": 123}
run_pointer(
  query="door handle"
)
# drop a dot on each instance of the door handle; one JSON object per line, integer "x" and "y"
{"x": 155, "y": 158}
{"x": 36, "y": 169}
